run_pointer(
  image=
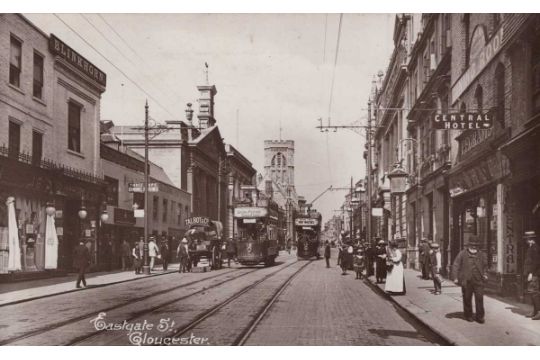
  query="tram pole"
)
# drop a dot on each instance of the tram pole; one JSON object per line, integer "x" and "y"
{"x": 369, "y": 179}
{"x": 146, "y": 265}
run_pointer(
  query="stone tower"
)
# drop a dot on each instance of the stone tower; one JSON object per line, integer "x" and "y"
{"x": 279, "y": 162}
{"x": 206, "y": 106}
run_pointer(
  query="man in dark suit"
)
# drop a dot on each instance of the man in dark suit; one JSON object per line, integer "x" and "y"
{"x": 470, "y": 272}
{"x": 424, "y": 259}
{"x": 81, "y": 260}
{"x": 531, "y": 271}
{"x": 327, "y": 253}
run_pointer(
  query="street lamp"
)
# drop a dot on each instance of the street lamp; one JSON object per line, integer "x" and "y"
{"x": 398, "y": 179}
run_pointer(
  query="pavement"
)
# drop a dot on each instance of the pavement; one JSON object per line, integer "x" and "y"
{"x": 17, "y": 292}
{"x": 505, "y": 324}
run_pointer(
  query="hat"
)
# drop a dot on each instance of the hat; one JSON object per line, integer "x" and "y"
{"x": 381, "y": 242}
{"x": 184, "y": 241}
{"x": 434, "y": 245}
{"x": 473, "y": 240}
{"x": 529, "y": 235}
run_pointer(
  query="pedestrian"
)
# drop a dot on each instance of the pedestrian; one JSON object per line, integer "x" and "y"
{"x": 81, "y": 260}
{"x": 531, "y": 270}
{"x": 183, "y": 256}
{"x": 380, "y": 259}
{"x": 436, "y": 264}
{"x": 289, "y": 245}
{"x": 346, "y": 258}
{"x": 424, "y": 258}
{"x": 126, "y": 255}
{"x": 137, "y": 255}
{"x": 395, "y": 280}
{"x": 165, "y": 254}
{"x": 370, "y": 260}
{"x": 470, "y": 272}
{"x": 327, "y": 253}
{"x": 153, "y": 251}
{"x": 231, "y": 250}
{"x": 359, "y": 263}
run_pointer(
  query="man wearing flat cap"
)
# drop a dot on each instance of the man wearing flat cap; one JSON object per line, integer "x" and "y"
{"x": 436, "y": 265}
{"x": 470, "y": 272}
{"x": 531, "y": 270}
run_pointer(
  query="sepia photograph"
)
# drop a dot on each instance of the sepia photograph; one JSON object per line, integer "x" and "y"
{"x": 270, "y": 179}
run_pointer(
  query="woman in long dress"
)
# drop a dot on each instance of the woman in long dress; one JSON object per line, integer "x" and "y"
{"x": 395, "y": 281}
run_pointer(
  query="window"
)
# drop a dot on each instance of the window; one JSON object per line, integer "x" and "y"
{"x": 187, "y": 211}
{"x": 466, "y": 25}
{"x": 479, "y": 98}
{"x": 165, "y": 210}
{"x": 496, "y": 21}
{"x": 15, "y": 62}
{"x": 37, "y": 147}
{"x": 536, "y": 76}
{"x": 74, "y": 127}
{"x": 444, "y": 110}
{"x": 179, "y": 215}
{"x": 499, "y": 94}
{"x": 155, "y": 206}
{"x": 138, "y": 198}
{"x": 38, "y": 76}
{"x": 14, "y": 139}
{"x": 431, "y": 217}
{"x": 112, "y": 191}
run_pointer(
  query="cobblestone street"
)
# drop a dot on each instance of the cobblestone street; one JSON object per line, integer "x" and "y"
{"x": 318, "y": 307}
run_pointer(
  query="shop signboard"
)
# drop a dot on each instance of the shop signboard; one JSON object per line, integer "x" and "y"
{"x": 198, "y": 220}
{"x": 377, "y": 212}
{"x": 250, "y": 212}
{"x": 138, "y": 213}
{"x": 139, "y": 187}
{"x": 463, "y": 121}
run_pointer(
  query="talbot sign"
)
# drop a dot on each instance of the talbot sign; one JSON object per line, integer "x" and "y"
{"x": 463, "y": 121}
{"x": 198, "y": 220}
{"x": 306, "y": 222}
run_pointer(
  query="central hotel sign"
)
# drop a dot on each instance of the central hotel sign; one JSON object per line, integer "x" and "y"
{"x": 480, "y": 57}
{"x": 58, "y": 47}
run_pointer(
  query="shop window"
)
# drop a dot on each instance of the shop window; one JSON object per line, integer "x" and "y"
{"x": 15, "y": 62}
{"x": 37, "y": 90}
{"x": 74, "y": 126}
{"x": 499, "y": 94}
{"x": 112, "y": 191}
{"x": 14, "y": 140}
{"x": 37, "y": 147}
{"x": 155, "y": 208}
{"x": 165, "y": 210}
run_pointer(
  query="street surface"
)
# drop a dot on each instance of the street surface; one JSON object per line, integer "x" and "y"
{"x": 311, "y": 305}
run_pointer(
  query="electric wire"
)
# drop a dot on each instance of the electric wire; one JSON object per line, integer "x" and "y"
{"x": 110, "y": 62}
{"x": 334, "y": 69}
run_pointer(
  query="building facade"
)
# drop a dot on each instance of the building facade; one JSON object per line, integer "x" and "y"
{"x": 50, "y": 105}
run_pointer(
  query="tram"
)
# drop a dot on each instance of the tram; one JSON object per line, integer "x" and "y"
{"x": 257, "y": 232}
{"x": 205, "y": 240}
{"x": 307, "y": 228}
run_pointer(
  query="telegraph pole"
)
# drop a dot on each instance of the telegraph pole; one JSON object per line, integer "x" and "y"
{"x": 146, "y": 265}
{"x": 369, "y": 179}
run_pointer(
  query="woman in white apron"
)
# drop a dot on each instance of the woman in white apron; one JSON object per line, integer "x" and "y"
{"x": 395, "y": 281}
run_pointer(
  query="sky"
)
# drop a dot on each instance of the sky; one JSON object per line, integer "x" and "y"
{"x": 270, "y": 71}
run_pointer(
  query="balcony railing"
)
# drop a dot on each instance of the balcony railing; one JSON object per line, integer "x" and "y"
{"x": 46, "y": 164}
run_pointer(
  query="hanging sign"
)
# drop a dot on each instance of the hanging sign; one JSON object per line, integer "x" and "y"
{"x": 250, "y": 212}
{"x": 377, "y": 211}
{"x": 463, "y": 121}
{"x": 306, "y": 222}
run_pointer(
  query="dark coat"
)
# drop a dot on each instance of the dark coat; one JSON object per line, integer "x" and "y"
{"x": 327, "y": 251}
{"x": 81, "y": 257}
{"x": 182, "y": 252}
{"x": 164, "y": 251}
{"x": 424, "y": 253}
{"x": 462, "y": 267}
{"x": 231, "y": 247}
{"x": 532, "y": 261}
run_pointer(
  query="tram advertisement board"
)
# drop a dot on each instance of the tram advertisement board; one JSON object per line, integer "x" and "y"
{"x": 463, "y": 121}
{"x": 198, "y": 220}
{"x": 250, "y": 212}
{"x": 306, "y": 222}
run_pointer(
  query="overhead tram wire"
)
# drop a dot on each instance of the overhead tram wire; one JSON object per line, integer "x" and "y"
{"x": 110, "y": 62}
{"x": 122, "y": 53}
{"x": 134, "y": 51}
{"x": 334, "y": 69}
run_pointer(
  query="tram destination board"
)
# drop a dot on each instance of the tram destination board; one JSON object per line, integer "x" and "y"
{"x": 463, "y": 121}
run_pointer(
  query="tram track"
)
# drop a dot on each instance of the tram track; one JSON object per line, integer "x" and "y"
{"x": 123, "y": 304}
{"x": 248, "y": 330}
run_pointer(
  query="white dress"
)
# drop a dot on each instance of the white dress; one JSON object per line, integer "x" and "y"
{"x": 394, "y": 278}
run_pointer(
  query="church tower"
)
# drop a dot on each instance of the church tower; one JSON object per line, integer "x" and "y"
{"x": 279, "y": 162}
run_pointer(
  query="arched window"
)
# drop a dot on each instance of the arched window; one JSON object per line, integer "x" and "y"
{"x": 279, "y": 160}
{"x": 479, "y": 98}
{"x": 499, "y": 94}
